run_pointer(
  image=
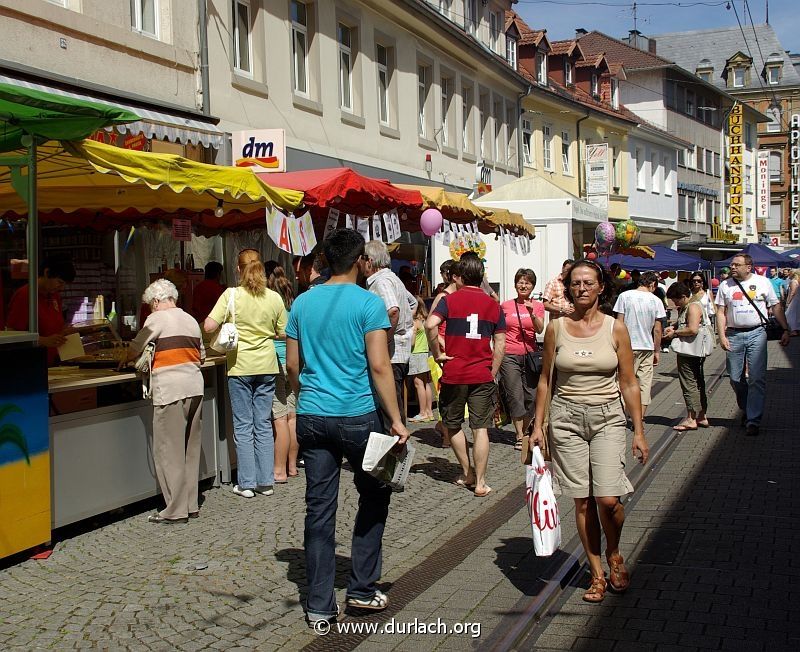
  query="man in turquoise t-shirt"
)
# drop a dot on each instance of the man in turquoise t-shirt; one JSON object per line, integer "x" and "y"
{"x": 337, "y": 357}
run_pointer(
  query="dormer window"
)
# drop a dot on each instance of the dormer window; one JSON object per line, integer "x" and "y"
{"x": 774, "y": 74}
{"x": 568, "y": 76}
{"x": 541, "y": 68}
{"x": 705, "y": 70}
{"x": 738, "y": 77}
{"x": 774, "y": 68}
{"x": 595, "y": 85}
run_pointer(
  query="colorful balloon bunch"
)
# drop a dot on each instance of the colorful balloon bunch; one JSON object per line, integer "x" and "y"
{"x": 467, "y": 242}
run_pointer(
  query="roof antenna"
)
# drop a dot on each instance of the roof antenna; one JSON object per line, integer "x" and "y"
{"x": 767, "y": 2}
{"x": 634, "y": 17}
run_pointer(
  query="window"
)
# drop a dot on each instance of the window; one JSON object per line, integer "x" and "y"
{"x": 691, "y": 208}
{"x": 144, "y": 16}
{"x": 242, "y": 46}
{"x": 701, "y": 209}
{"x": 512, "y": 123}
{"x": 641, "y": 181}
{"x": 705, "y": 75}
{"x": 382, "y": 62}
{"x": 700, "y": 159}
{"x": 344, "y": 37}
{"x": 738, "y": 77}
{"x": 527, "y": 134}
{"x": 541, "y": 68}
{"x": 775, "y": 218}
{"x": 547, "y": 148}
{"x": 446, "y": 94}
{"x": 494, "y": 31}
{"x": 690, "y": 103}
{"x": 655, "y": 173}
{"x": 566, "y": 162}
{"x": 717, "y": 165}
{"x": 511, "y": 52}
{"x": 444, "y": 7}
{"x": 483, "y": 126}
{"x": 667, "y": 164}
{"x": 774, "y": 114}
{"x": 616, "y": 171}
{"x": 467, "y": 131}
{"x": 748, "y": 177}
{"x": 299, "y": 13}
{"x": 682, "y": 157}
{"x": 422, "y": 98}
{"x": 748, "y": 135}
{"x": 690, "y": 158}
{"x": 595, "y": 85}
{"x": 709, "y": 161}
{"x": 682, "y": 207}
{"x": 774, "y": 75}
{"x": 614, "y": 93}
{"x": 499, "y": 141}
{"x": 568, "y": 77}
{"x": 775, "y": 166}
{"x": 471, "y": 17}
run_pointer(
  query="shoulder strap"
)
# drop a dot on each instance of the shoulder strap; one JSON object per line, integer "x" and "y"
{"x": 752, "y": 303}
{"x": 232, "y": 306}
{"x": 521, "y": 329}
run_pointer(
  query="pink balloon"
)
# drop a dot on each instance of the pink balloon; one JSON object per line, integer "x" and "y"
{"x": 430, "y": 221}
{"x": 714, "y": 282}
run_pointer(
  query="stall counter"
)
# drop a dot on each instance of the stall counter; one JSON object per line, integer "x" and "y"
{"x": 101, "y": 456}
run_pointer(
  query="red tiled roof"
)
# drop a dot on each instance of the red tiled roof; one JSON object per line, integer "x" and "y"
{"x": 591, "y": 62}
{"x": 617, "y": 51}
{"x": 563, "y": 47}
{"x": 528, "y": 36}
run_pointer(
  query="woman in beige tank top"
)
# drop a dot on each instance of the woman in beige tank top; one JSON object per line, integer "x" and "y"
{"x": 593, "y": 370}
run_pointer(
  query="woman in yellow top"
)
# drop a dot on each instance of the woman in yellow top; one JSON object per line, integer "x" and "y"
{"x": 593, "y": 367}
{"x": 260, "y": 318}
{"x": 418, "y": 368}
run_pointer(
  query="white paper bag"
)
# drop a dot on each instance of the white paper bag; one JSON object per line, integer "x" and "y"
{"x": 381, "y": 462}
{"x": 542, "y": 506}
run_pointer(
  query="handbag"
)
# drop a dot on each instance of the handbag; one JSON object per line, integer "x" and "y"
{"x": 699, "y": 345}
{"x": 144, "y": 368}
{"x": 533, "y": 358}
{"x": 527, "y": 452}
{"x": 227, "y": 338}
{"x": 769, "y": 324}
{"x": 542, "y": 506}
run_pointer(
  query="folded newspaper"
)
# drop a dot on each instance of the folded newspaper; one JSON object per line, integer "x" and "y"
{"x": 388, "y": 466}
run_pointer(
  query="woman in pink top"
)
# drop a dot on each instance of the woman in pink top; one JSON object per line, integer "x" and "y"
{"x": 518, "y": 377}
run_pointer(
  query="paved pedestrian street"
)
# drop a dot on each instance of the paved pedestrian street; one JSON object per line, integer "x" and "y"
{"x": 709, "y": 538}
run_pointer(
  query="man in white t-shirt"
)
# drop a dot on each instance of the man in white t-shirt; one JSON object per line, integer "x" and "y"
{"x": 742, "y": 335}
{"x": 640, "y": 310}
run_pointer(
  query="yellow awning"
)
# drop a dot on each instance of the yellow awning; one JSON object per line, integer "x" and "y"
{"x": 514, "y": 221}
{"x": 91, "y": 184}
{"x": 454, "y": 206}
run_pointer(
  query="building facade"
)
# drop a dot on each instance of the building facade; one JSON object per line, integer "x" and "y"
{"x": 759, "y": 72}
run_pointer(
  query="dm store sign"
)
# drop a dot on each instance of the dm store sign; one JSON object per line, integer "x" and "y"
{"x": 263, "y": 150}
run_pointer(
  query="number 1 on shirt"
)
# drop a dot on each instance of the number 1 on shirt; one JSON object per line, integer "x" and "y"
{"x": 472, "y": 333}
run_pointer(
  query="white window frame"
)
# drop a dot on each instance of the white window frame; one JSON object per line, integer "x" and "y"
{"x": 691, "y": 158}
{"x": 566, "y": 157}
{"x": 383, "y": 79}
{"x": 595, "y": 85}
{"x": 736, "y": 72}
{"x": 614, "y": 93}
{"x": 498, "y": 116}
{"x": 700, "y": 159}
{"x": 569, "y": 77}
{"x": 655, "y": 172}
{"x": 547, "y": 147}
{"x": 345, "y": 52}
{"x": 444, "y": 7}
{"x": 527, "y": 142}
{"x": 422, "y": 98}
{"x": 300, "y": 30}
{"x": 641, "y": 180}
{"x": 541, "y": 68}
{"x": 466, "y": 123}
{"x": 494, "y": 31}
{"x": 667, "y": 167}
{"x": 775, "y": 174}
{"x": 511, "y": 52}
{"x": 445, "y": 96}
{"x": 773, "y": 75}
{"x": 137, "y": 18}
{"x": 471, "y": 16}
{"x": 237, "y": 62}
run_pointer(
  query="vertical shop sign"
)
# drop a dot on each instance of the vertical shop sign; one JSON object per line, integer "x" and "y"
{"x": 735, "y": 156}
{"x": 794, "y": 188}
{"x": 597, "y": 175}
{"x": 762, "y": 176}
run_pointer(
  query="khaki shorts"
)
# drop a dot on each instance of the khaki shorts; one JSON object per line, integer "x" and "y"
{"x": 480, "y": 398}
{"x": 284, "y": 401}
{"x": 643, "y": 368}
{"x": 588, "y": 444}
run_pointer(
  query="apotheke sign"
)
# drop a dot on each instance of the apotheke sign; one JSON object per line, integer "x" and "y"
{"x": 794, "y": 188}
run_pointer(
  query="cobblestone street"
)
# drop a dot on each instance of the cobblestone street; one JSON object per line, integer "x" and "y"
{"x": 234, "y": 579}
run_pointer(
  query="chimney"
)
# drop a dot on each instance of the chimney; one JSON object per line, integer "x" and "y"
{"x": 580, "y": 32}
{"x": 651, "y": 45}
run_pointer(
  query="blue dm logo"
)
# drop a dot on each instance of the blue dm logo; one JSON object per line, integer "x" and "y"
{"x": 11, "y": 433}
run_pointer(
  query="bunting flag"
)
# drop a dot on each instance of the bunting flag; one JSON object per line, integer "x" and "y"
{"x": 332, "y": 223}
{"x": 349, "y": 221}
{"x": 377, "y": 231}
{"x": 392, "y": 224}
{"x": 278, "y": 230}
{"x": 294, "y": 235}
{"x": 362, "y": 226}
{"x": 308, "y": 238}
{"x": 513, "y": 242}
{"x": 129, "y": 239}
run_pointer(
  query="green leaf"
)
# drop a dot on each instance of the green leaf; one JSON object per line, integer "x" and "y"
{"x": 11, "y": 434}
{"x": 9, "y": 408}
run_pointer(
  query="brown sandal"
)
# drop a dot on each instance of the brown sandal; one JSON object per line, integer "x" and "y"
{"x": 597, "y": 590}
{"x": 618, "y": 577}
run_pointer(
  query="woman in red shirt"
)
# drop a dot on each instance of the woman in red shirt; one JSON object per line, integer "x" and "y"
{"x": 55, "y": 274}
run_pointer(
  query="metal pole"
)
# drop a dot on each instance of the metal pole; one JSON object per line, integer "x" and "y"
{"x": 32, "y": 237}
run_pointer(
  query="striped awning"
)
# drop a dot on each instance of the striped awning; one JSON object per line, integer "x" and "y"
{"x": 160, "y": 125}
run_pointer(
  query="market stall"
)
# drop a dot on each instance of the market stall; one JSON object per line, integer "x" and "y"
{"x": 95, "y": 443}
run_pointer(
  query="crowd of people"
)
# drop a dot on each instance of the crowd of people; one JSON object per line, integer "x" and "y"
{"x": 312, "y": 375}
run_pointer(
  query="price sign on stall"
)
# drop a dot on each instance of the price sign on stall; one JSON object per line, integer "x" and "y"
{"x": 182, "y": 230}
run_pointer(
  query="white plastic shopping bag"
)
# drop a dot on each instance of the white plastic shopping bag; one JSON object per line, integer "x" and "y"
{"x": 384, "y": 463}
{"x": 542, "y": 506}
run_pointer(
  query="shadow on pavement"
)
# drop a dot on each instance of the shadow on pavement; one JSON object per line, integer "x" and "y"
{"x": 439, "y": 468}
{"x": 296, "y": 573}
{"x": 530, "y": 577}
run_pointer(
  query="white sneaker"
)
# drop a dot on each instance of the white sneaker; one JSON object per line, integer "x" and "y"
{"x": 265, "y": 490}
{"x": 244, "y": 493}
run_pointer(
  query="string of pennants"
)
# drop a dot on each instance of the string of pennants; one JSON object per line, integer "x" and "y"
{"x": 296, "y": 236}
{"x": 451, "y": 230}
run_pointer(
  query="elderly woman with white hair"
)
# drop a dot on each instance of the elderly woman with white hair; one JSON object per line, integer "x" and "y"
{"x": 177, "y": 392}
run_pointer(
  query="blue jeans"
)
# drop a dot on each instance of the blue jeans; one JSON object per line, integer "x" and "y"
{"x": 323, "y": 442}
{"x": 251, "y": 405}
{"x": 749, "y": 347}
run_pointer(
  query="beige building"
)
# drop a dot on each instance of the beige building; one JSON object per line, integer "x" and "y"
{"x": 379, "y": 86}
